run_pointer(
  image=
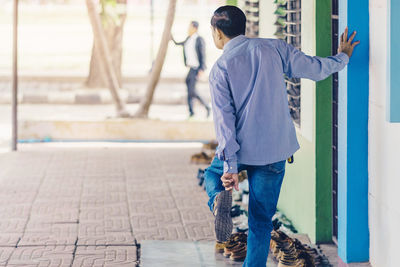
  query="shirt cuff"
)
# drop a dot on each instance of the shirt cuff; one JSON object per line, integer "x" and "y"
{"x": 230, "y": 166}
{"x": 344, "y": 57}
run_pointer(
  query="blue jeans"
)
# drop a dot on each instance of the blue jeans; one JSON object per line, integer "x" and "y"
{"x": 264, "y": 188}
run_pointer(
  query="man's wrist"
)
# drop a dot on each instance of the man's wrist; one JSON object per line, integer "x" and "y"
{"x": 344, "y": 56}
{"x": 230, "y": 166}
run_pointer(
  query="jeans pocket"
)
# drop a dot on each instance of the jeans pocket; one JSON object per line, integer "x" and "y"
{"x": 277, "y": 167}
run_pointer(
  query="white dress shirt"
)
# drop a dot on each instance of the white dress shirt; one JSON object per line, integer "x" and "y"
{"x": 192, "y": 59}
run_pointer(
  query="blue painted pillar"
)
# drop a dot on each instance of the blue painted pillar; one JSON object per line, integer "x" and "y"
{"x": 353, "y": 233}
{"x": 393, "y": 90}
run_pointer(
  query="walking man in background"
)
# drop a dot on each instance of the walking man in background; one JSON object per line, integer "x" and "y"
{"x": 253, "y": 126}
{"x": 194, "y": 57}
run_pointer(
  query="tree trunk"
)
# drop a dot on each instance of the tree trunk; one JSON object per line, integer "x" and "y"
{"x": 105, "y": 57}
{"x": 114, "y": 35}
{"x": 145, "y": 103}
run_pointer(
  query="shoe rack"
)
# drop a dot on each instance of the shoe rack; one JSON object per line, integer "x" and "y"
{"x": 252, "y": 11}
{"x": 288, "y": 24}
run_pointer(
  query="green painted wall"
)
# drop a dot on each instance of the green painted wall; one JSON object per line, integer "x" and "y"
{"x": 297, "y": 199}
{"x": 323, "y": 127}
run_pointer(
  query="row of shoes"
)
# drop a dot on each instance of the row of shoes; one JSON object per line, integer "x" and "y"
{"x": 206, "y": 155}
{"x": 212, "y": 145}
{"x": 239, "y": 218}
{"x": 200, "y": 177}
{"x": 290, "y": 252}
{"x": 281, "y": 222}
{"x": 234, "y": 248}
{"x": 240, "y": 199}
{"x": 201, "y": 158}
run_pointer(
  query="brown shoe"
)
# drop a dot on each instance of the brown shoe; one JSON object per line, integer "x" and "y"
{"x": 287, "y": 260}
{"x": 201, "y": 158}
{"x": 212, "y": 145}
{"x": 219, "y": 247}
{"x": 283, "y": 263}
{"x": 238, "y": 253}
{"x": 228, "y": 248}
{"x": 242, "y": 176}
{"x": 229, "y": 245}
{"x": 275, "y": 248}
{"x": 302, "y": 263}
{"x": 239, "y": 237}
{"x": 234, "y": 241}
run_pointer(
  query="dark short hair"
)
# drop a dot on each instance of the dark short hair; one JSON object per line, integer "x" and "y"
{"x": 230, "y": 20}
{"x": 195, "y": 24}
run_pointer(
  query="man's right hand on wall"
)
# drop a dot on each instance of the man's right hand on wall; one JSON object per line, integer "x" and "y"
{"x": 346, "y": 45}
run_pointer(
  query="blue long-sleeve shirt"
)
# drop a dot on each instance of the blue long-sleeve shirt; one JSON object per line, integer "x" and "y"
{"x": 250, "y": 106}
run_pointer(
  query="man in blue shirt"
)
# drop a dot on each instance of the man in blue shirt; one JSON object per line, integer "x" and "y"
{"x": 253, "y": 125}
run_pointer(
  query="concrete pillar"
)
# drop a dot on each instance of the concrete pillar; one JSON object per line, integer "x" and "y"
{"x": 353, "y": 232}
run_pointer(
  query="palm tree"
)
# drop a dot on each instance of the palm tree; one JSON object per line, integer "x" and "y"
{"x": 145, "y": 103}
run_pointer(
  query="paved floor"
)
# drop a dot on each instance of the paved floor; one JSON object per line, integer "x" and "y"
{"x": 185, "y": 253}
{"x": 90, "y": 206}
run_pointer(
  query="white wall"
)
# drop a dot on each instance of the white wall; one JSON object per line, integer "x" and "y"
{"x": 267, "y": 19}
{"x": 384, "y": 151}
{"x": 308, "y": 46}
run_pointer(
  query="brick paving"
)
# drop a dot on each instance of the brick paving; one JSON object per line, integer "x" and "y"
{"x": 92, "y": 206}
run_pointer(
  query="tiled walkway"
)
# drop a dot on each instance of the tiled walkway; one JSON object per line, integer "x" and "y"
{"x": 184, "y": 254}
{"x": 91, "y": 206}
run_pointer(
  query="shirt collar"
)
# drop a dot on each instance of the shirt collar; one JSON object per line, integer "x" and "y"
{"x": 234, "y": 42}
{"x": 194, "y": 36}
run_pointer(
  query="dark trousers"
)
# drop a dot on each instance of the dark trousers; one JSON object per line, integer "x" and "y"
{"x": 191, "y": 81}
